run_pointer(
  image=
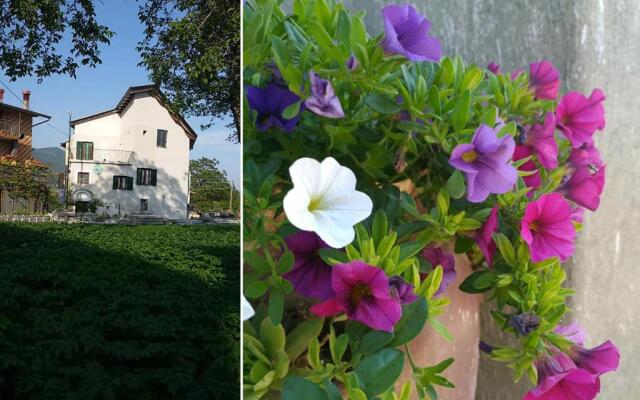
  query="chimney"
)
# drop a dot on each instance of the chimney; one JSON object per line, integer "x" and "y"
{"x": 1, "y": 95}
{"x": 25, "y": 98}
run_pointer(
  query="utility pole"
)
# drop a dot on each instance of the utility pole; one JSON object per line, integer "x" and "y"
{"x": 231, "y": 189}
{"x": 67, "y": 169}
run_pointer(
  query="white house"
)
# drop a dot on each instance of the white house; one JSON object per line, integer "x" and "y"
{"x": 132, "y": 159}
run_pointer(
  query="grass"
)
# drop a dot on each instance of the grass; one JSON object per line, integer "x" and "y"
{"x": 119, "y": 312}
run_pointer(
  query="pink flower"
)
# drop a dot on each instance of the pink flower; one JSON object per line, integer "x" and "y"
{"x": 437, "y": 256}
{"x": 544, "y": 79}
{"x": 577, "y": 214}
{"x": 560, "y": 379}
{"x": 484, "y": 236}
{"x": 540, "y": 138}
{"x": 363, "y": 293}
{"x": 578, "y": 117}
{"x": 585, "y": 187}
{"x": 585, "y": 155}
{"x": 494, "y": 67}
{"x": 547, "y": 228}
{"x": 532, "y": 181}
{"x": 598, "y": 360}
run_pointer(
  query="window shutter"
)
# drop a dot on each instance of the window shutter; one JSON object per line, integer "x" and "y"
{"x": 90, "y": 150}
{"x": 78, "y": 150}
{"x": 129, "y": 183}
{"x": 115, "y": 182}
{"x": 154, "y": 177}
{"x": 139, "y": 176}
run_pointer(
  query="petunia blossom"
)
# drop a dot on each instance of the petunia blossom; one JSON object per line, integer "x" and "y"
{"x": 579, "y": 117}
{"x": 540, "y": 138}
{"x": 494, "y": 67}
{"x": 407, "y": 34}
{"x": 323, "y": 100}
{"x": 401, "y": 290}
{"x": 585, "y": 155}
{"x": 352, "y": 63}
{"x": 486, "y": 164}
{"x": 559, "y": 378}
{"x": 585, "y": 187}
{"x": 573, "y": 331}
{"x": 484, "y": 236}
{"x": 310, "y": 275}
{"x": 362, "y": 293}
{"x": 324, "y": 200}
{"x": 544, "y": 79}
{"x": 547, "y": 228}
{"x": 247, "y": 310}
{"x": 436, "y": 255}
{"x": 270, "y": 104}
{"x": 598, "y": 360}
{"x": 534, "y": 180}
{"x": 524, "y": 323}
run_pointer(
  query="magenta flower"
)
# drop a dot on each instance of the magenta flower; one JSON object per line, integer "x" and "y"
{"x": 323, "y": 100}
{"x": 494, "y": 67}
{"x": 577, "y": 214}
{"x": 407, "y": 34}
{"x": 270, "y": 103}
{"x": 540, "y": 138}
{"x": 585, "y": 187}
{"x": 573, "y": 331}
{"x": 544, "y": 79}
{"x": 547, "y": 228}
{"x": 486, "y": 164}
{"x": 310, "y": 275}
{"x": 484, "y": 236}
{"x": 585, "y": 155}
{"x": 578, "y": 117}
{"x": 534, "y": 180}
{"x": 598, "y": 360}
{"x": 436, "y": 255}
{"x": 362, "y": 292}
{"x": 401, "y": 290}
{"x": 560, "y": 379}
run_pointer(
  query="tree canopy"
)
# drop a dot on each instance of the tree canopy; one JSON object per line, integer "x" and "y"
{"x": 210, "y": 186}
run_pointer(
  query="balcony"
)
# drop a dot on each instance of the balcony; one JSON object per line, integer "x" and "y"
{"x": 107, "y": 156}
{"x": 9, "y": 130}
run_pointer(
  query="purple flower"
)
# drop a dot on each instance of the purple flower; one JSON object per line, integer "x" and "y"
{"x": 598, "y": 360}
{"x": 362, "y": 292}
{"x": 585, "y": 155}
{"x": 540, "y": 138}
{"x": 402, "y": 290}
{"x": 577, "y": 214}
{"x": 352, "y": 63}
{"x": 585, "y": 187}
{"x": 407, "y": 34}
{"x": 323, "y": 100}
{"x": 437, "y": 256}
{"x": 544, "y": 79}
{"x": 574, "y": 332}
{"x": 494, "y": 67}
{"x": 579, "y": 117}
{"x": 310, "y": 275}
{"x": 486, "y": 164}
{"x": 560, "y": 379}
{"x": 270, "y": 103}
{"x": 484, "y": 236}
{"x": 524, "y": 323}
{"x": 485, "y": 347}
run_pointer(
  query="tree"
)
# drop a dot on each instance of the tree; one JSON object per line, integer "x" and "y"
{"x": 192, "y": 49}
{"x": 30, "y": 31}
{"x": 210, "y": 187}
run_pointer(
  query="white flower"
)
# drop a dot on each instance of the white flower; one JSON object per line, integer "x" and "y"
{"x": 324, "y": 200}
{"x": 247, "y": 310}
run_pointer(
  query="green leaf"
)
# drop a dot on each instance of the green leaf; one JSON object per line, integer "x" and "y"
{"x": 343, "y": 31}
{"x": 272, "y": 337}
{"x": 505, "y": 247}
{"x": 291, "y": 111}
{"x": 379, "y": 227}
{"x": 463, "y": 244}
{"x": 256, "y": 289}
{"x": 296, "y": 388}
{"x": 333, "y": 256}
{"x": 285, "y": 263}
{"x": 379, "y": 371}
{"x": 478, "y": 282}
{"x": 356, "y": 394}
{"x": 382, "y": 104}
{"x": 332, "y": 391}
{"x": 455, "y": 185}
{"x": 373, "y": 341}
{"x": 414, "y": 316}
{"x": 460, "y": 114}
{"x": 298, "y": 339}
{"x": 276, "y": 306}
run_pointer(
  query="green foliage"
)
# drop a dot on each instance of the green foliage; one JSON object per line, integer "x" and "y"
{"x": 210, "y": 187}
{"x": 118, "y": 312}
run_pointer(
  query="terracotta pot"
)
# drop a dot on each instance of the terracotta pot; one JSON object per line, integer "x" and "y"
{"x": 463, "y": 322}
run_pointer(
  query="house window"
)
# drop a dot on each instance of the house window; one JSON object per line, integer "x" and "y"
{"x": 83, "y": 178}
{"x": 122, "y": 182}
{"x": 84, "y": 151}
{"x": 162, "y": 138}
{"x": 147, "y": 176}
{"x": 144, "y": 204}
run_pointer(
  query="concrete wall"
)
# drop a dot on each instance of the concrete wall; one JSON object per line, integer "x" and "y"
{"x": 594, "y": 43}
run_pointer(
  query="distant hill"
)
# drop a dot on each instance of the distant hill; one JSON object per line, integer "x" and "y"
{"x": 53, "y": 157}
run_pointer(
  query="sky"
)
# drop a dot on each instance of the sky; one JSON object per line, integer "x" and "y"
{"x": 99, "y": 89}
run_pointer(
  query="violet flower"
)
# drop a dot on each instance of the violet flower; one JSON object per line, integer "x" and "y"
{"x": 352, "y": 63}
{"x": 585, "y": 187}
{"x": 534, "y": 180}
{"x": 547, "y": 228}
{"x": 436, "y": 255}
{"x": 486, "y": 164}
{"x": 494, "y": 67}
{"x": 540, "y": 137}
{"x": 407, "y": 34}
{"x": 362, "y": 292}
{"x": 270, "y": 103}
{"x": 560, "y": 378}
{"x": 484, "y": 236}
{"x": 578, "y": 117}
{"x": 524, "y": 323}
{"x": 544, "y": 79}
{"x": 323, "y": 100}
{"x": 310, "y": 275}
{"x": 401, "y": 290}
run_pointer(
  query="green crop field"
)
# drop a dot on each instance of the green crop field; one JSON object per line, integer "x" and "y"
{"x": 119, "y": 312}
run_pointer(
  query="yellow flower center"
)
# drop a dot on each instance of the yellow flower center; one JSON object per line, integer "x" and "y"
{"x": 533, "y": 226}
{"x": 469, "y": 156}
{"x": 359, "y": 292}
{"x": 315, "y": 204}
